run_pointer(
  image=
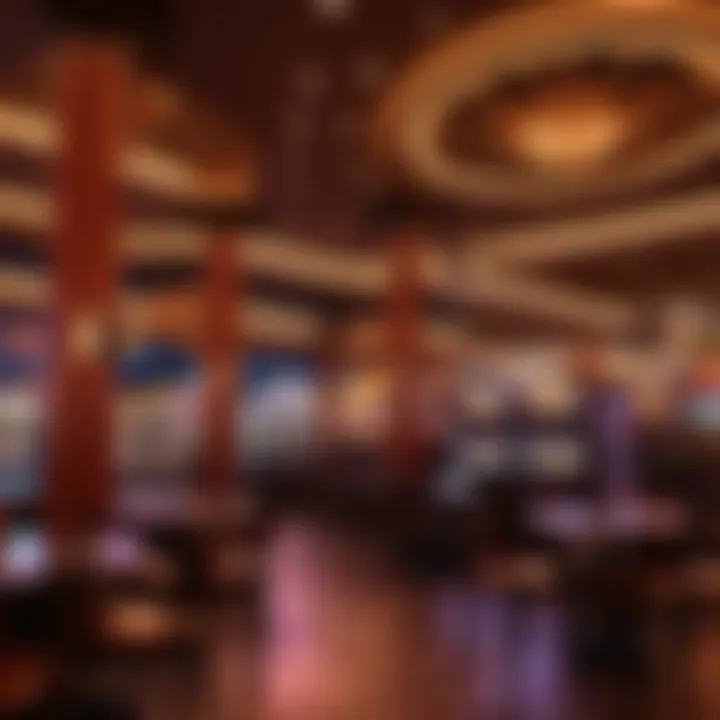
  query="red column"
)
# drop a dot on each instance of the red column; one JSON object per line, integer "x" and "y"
{"x": 404, "y": 344}
{"x": 328, "y": 356}
{"x": 92, "y": 104}
{"x": 221, "y": 351}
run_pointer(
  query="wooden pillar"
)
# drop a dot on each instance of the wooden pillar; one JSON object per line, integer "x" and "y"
{"x": 222, "y": 351}
{"x": 329, "y": 369}
{"x": 404, "y": 327}
{"x": 92, "y": 106}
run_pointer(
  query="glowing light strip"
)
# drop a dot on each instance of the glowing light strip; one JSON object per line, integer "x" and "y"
{"x": 472, "y": 61}
{"x": 301, "y": 261}
{"x": 141, "y": 314}
{"x": 156, "y": 241}
{"x": 36, "y": 132}
{"x": 263, "y": 322}
{"x": 24, "y": 208}
{"x": 22, "y": 289}
{"x": 276, "y": 323}
{"x": 444, "y": 335}
{"x": 671, "y": 221}
{"x": 496, "y": 285}
{"x": 363, "y": 274}
{"x": 279, "y": 323}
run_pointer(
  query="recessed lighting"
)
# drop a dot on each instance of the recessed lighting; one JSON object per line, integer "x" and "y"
{"x": 569, "y": 138}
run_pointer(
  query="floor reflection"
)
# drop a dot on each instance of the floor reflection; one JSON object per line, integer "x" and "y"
{"x": 337, "y": 636}
{"x": 347, "y": 640}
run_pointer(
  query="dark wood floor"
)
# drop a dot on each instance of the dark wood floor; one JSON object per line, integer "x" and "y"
{"x": 342, "y": 638}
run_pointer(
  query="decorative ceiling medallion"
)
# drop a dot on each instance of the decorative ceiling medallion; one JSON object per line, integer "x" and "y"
{"x": 580, "y": 118}
{"x": 513, "y": 109}
{"x": 567, "y": 138}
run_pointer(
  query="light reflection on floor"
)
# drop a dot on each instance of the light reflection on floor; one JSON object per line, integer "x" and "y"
{"x": 341, "y": 638}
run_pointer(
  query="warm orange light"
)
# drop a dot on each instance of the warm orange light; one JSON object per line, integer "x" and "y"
{"x": 568, "y": 135}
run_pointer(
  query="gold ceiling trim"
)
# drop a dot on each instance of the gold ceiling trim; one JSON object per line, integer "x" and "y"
{"x": 408, "y": 128}
{"x": 36, "y": 132}
{"x": 299, "y": 260}
{"x": 505, "y": 260}
{"x": 283, "y": 324}
{"x": 20, "y": 289}
{"x": 519, "y": 291}
{"x": 141, "y": 314}
{"x": 665, "y": 222}
{"x": 265, "y": 323}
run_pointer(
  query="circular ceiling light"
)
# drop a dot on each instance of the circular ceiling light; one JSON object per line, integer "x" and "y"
{"x": 568, "y": 138}
{"x": 413, "y": 120}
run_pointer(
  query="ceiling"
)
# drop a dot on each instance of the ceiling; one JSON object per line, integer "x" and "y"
{"x": 305, "y": 83}
{"x": 573, "y": 147}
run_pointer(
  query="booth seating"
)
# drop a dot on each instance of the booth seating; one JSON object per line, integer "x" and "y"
{"x": 612, "y": 558}
{"x": 210, "y": 543}
{"x": 53, "y": 596}
{"x": 534, "y": 577}
{"x": 120, "y": 597}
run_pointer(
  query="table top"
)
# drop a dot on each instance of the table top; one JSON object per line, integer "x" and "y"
{"x": 28, "y": 560}
{"x": 647, "y": 518}
{"x": 187, "y": 510}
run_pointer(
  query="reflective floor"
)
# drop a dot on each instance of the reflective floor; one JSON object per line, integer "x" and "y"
{"x": 342, "y": 638}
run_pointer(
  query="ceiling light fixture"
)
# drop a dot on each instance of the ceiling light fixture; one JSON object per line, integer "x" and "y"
{"x": 569, "y": 138}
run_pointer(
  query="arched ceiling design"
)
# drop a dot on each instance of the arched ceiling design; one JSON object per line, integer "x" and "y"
{"x": 559, "y": 102}
{"x": 175, "y": 145}
{"x": 305, "y": 86}
{"x": 500, "y": 268}
{"x": 342, "y": 272}
{"x": 580, "y": 135}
